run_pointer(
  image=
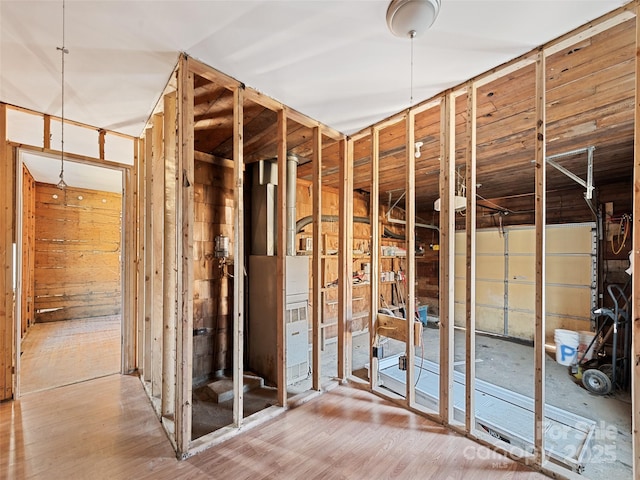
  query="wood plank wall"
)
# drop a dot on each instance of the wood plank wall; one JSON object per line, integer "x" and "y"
{"x": 77, "y": 253}
{"x": 28, "y": 249}
{"x": 213, "y": 288}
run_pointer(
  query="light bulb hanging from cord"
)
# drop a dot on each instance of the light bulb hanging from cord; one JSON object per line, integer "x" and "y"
{"x": 63, "y": 51}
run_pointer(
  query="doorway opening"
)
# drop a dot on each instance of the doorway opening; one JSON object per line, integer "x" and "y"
{"x": 69, "y": 253}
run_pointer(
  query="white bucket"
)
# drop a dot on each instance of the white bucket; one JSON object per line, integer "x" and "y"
{"x": 567, "y": 342}
{"x": 585, "y": 340}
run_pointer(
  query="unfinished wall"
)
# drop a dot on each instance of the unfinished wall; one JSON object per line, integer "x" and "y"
{"x": 213, "y": 288}
{"x": 77, "y": 253}
{"x": 28, "y": 249}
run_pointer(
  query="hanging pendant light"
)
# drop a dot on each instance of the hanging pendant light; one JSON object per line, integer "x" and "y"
{"x": 63, "y": 51}
{"x": 410, "y": 18}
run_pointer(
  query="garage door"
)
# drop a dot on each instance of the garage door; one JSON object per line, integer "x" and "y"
{"x": 505, "y": 279}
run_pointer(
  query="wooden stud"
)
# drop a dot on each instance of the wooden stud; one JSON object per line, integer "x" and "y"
{"x": 6, "y": 253}
{"x": 374, "y": 215}
{"x": 410, "y": 245}
{"x": 238, "y": 254}
{"x": 185, "y": 276}
{"x": 148, "y": 256}
{"x": 345, "y": 260}
{"x": 635, "y": 279}
{"x": 101, "y": 135}
{"x": 84, "y": 159}
{"x": 447, "y": 255}
{"x": 170, "y": 254}
{"x": 47, "y": 131}
{"x": 470, "y": 219}
{"x": 157, "y": 259}
{"x": 141, "y": 250}
{"x": 316, "y": 299}
{"x": 128, "y": 270}
{"x": 281, "y": 272}
{"x": 540, "y": 212}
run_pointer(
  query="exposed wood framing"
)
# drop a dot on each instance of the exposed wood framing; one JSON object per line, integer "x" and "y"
{"x": 69, "y": 155}
{"x": 185, "y": 275}
{"x": 140, "y": 252}
{"x": 635, "y": 279}
{"x": 6, "y": 253}
{"x": 148, "y": 256}
{"x": 280, "y": 262}
{"x": 410, "y": 267}
{"x": 101, "y": 135}
{"x": 128, "y": 270}
{"x": 540, "y": 204}
{"x": 47, "y": 131}
{"x": 170, "y": 279}
{"x": 316, "y": 298}
{"x": 345, "y": 260}
{"x": 447, "y": 255}
{"x": 157, "y": 258}
{"x": 374, "y": 215}
{"x": 205, "y": 71}
{"x": 238, "y": 255}
{"x": 470, "y": 218}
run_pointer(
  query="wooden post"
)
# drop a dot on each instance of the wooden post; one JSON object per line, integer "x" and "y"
{"x": 316, "y": 300}
{"x": 281, "y": 347}
{"x": 6, "y": 253}
{"x": 157, "y": 239}
{"x": 447, "y": 255}
{"x": 635, "y": 279}
{"x": 128, "y": 268}
{"x": 170, "y": 255}
{"x": 101, "y": 135}
{"x": 470, "y": 219}
{"x": 374, "y": 248}
{"x": 238, "y": 254}
{"x": 540, "y": 219}
{"x": 410, "y": 239}
{"x": 148, "y": 255}
{"x": 345, "y": 259}
{"x": 140, "y": 251}
{"x": 185, "y": 213}
{"x": 47, "y": 132}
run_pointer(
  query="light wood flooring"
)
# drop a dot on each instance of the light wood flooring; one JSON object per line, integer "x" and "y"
{"x": 70, "y": 351}
{"x": 105, "y": 429}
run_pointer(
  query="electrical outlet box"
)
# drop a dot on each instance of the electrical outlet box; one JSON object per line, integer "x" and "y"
{"x": 402, "y": 362}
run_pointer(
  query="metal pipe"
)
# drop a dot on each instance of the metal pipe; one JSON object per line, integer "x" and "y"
{"x": 292, "y": 178}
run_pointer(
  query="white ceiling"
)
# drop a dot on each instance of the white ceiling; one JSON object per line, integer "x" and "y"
{"x": 46, "y": 169}
{"x": 334, "y": 61}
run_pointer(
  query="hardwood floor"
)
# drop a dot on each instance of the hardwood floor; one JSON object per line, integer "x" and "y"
{"x": 105, "y": 429}
{"x": 69, "y": 351}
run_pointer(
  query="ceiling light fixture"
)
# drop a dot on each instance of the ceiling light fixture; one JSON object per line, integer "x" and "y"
{"x": 409, "y": 18}
{"x": 63, "y": 51}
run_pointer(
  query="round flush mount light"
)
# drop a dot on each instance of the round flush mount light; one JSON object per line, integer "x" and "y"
{"x": 409, "y": 18}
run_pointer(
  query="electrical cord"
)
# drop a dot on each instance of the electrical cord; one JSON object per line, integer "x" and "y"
{"x": 623, "y": 226}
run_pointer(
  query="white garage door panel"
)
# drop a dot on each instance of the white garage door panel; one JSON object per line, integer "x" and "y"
{"x": 490, "y": 319}
{"x": 573, "y": 238}
{"x": 574, "y": 270}
{"x": 572, "y": 301}
{"x": 490, "y": 267}
{"x": 489, "y": 242}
